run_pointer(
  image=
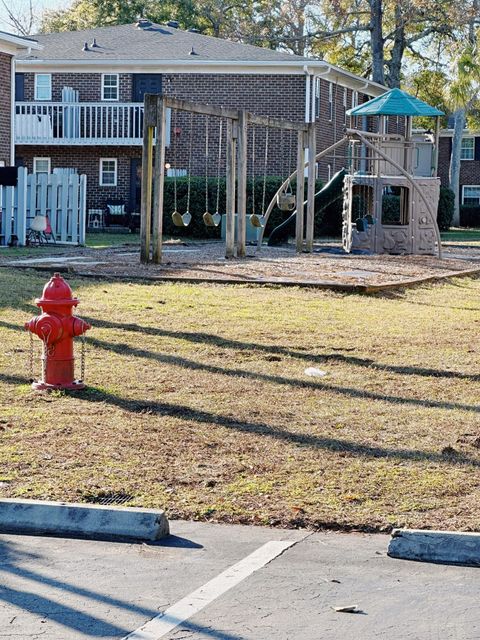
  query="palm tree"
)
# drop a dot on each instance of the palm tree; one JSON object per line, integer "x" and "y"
{"x": 464, "y": 92}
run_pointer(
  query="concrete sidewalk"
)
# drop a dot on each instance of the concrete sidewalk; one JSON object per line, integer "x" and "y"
{"x": 63, "y": 589}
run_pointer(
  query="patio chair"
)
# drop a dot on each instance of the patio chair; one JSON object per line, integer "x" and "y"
{"x": 40, "y": 231}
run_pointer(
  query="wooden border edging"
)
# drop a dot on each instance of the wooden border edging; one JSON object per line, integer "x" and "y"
{"x": 449, "y": 547}
{"x": 40, "y": 517}
{"x": 308, "y": 284}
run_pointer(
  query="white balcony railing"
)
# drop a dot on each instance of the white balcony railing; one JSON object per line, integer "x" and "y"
{"x": 78, "y": 123}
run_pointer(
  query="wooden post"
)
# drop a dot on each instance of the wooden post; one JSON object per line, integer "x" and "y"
{"x": 230, "y": 189}
{"x": 149, "y": 119}
{"x": 312, "y": 152}
{"x": 300, "y": 191}
{"x": 159, "y": 176}
{"x": 242, "y": 184}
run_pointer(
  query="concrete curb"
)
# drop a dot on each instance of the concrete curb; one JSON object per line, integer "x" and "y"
{"x": 449, "y": 547}
{"x": 98, "y": 522}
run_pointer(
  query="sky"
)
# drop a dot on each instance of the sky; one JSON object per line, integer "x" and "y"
{"x": 21, "y": 7}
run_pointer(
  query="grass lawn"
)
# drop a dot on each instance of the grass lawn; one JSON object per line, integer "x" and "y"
{"x": 198, "y": 403}
{"x": 467, "y": 236}
{"x": 103, "y": 240}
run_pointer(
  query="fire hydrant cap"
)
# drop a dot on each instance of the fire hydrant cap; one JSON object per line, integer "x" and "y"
{"x": 57, "y": 291}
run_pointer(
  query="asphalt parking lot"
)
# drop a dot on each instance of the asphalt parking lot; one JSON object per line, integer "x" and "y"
{"x": 232, "y": 583}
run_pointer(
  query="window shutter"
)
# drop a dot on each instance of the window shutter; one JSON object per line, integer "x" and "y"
{"x": 477, "y": 147}
{"x": 20, "y": 87}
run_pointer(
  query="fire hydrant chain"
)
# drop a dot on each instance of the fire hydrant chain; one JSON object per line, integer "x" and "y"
{"x": 31, "y": 372}
{"x": 82, "y": 357}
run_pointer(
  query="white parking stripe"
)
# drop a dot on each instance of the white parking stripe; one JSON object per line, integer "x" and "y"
{"x": 184, "y": 609}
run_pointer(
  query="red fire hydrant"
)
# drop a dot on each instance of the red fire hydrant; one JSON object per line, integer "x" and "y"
{"x": 56, "y": 326}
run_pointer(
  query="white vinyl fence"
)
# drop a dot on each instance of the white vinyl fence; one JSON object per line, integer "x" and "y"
{"x": 60, "y": 197}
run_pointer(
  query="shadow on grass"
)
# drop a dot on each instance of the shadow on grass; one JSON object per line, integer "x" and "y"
{"x": 226, "y": 343}
{"x": 184, "y": 412}
{"x": 125, "y": 349}
{"x": 360, "y": 394}
{"x": 200, "y": 416}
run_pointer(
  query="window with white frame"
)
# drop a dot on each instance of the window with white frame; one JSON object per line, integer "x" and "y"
{"x": 43, "y": 86}
{"x": 108, "y": 172}
{"x": 41, "y": 165}
{"x": 468, "y": 149}
{"x": 471, "y": 195}
{"x": 330, "y": 100}
{"x": 110, "y": 86}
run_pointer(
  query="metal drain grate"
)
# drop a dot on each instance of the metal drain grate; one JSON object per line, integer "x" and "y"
{"x": 108, "y": 497}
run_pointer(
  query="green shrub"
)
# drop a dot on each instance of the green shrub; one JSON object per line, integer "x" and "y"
{"x": 446, "y": 208}
{"x": 329, "y": 223}
{"x": 197, "y": 228}
{"x": 469, "y": 216}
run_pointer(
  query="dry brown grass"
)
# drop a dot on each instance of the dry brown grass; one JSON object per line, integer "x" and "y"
{"x": 198, "y": 403}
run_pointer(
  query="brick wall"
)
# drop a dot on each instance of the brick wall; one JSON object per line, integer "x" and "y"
{"x": 469, "y": 169}
{"x": 280, "y": 96}
{"x": 5, "y": 107}
{"x": 89, "y": 86}
{"x": 87, "y": 161}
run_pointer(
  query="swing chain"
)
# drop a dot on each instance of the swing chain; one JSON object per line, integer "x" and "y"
{"x": 174, "y": 160}
{"x": 206, "y": 163}
{"x": 190, "y": 163}
{"x": 265, "y": 166}
{"x": 290, "y": 161}
{"x": 253, "y": 169}
{"x": 220, "y": 135}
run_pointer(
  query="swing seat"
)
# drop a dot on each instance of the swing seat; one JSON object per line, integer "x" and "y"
{"x": 286, "y": 201}
{"x": 181, "y": 220}
{"x": 212, "y": 220}
{"x": 361, "y": 224}
{"x": 257, "y": 221}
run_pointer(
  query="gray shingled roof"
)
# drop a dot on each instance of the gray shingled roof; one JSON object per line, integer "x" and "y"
{"x": 25, "y": 39}
{"x": 156, "y": 42}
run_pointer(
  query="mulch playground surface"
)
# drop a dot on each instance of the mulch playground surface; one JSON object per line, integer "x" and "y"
{"x": 196, "y": 261}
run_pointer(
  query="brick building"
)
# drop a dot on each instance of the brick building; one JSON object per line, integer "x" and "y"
{"x": 469, "y": 167}
{"x": 79, "y": 104}
{"x": 10, "y": 45}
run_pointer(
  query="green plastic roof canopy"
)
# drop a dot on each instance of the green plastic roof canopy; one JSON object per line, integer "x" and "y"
{"x": 395, "y": 103}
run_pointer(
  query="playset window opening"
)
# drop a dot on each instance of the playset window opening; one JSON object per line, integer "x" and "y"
{"x": 395, "y": 205}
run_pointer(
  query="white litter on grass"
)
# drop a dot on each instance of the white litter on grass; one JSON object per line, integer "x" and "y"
{"x": 351, "y": 608}
{"x": 315, "y": 373}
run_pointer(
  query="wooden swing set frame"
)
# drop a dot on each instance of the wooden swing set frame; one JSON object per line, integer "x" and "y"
{"x": 153, "y": 175}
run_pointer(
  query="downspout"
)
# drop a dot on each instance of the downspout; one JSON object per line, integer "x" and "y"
{"x": 12, "y": 111}
{"x": 308, "y": 87}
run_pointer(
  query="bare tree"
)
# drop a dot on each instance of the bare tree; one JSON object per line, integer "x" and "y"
{"x": 21, "y": 18}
